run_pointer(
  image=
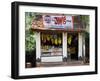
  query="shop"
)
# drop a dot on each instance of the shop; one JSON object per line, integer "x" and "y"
{"x": 58, "y": 38}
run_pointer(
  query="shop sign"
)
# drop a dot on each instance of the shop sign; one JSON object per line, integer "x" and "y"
{"x": 58, "y": 21}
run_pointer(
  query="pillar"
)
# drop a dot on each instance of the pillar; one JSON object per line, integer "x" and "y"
{"x": 64, "y": 46}
{"x": 84, "y": 49}
{"x": 38, "y": 46}
{"x": 80, "y": 46}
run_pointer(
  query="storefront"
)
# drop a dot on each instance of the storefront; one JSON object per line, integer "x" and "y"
{"x": 57, "y": 39}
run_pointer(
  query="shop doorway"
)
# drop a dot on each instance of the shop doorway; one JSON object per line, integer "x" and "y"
{"x": 72, "y": 46}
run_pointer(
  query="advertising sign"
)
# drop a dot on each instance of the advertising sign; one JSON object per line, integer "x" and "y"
{"x": 51, "y": 21}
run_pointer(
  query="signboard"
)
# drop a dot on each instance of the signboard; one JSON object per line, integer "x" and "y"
{"x": 51, "y": 21}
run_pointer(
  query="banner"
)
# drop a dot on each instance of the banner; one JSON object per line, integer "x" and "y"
{"x": 51, "y": 21}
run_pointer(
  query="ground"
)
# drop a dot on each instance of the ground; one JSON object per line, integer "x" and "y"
{"x": 69, "y": 63}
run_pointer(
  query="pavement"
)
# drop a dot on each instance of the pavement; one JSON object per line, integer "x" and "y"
{"x": 53, "y": 64}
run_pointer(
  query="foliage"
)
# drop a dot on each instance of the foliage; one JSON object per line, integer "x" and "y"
{"x": 30, "y": 42}
{"x": 85, "y": 19}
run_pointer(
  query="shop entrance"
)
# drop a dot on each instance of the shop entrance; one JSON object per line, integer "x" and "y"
{"x": 72, "y": 46}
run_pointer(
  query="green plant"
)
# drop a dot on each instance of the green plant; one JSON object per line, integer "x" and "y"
{"x": 30, "y": 42}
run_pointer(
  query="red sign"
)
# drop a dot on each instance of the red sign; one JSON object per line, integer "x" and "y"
{"x": 60, "y": 20}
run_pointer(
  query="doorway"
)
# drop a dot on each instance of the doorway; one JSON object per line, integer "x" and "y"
{"x": 72, "y": 46}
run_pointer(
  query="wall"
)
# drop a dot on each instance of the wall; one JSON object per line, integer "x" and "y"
{"x": 5, "y": 40}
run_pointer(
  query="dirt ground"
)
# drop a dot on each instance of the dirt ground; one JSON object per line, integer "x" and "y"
{"x": 53, "y": 64}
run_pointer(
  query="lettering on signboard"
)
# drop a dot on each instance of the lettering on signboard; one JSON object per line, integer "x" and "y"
{"x": 60, "y": 20}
